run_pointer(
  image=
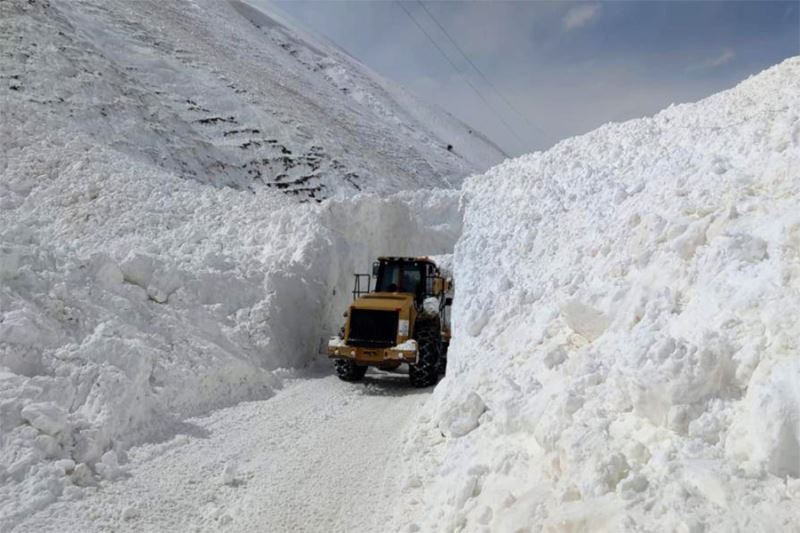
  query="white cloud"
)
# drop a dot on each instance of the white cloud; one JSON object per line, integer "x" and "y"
{"x": 724, "y": 57}
{"x": 580, "y": 16}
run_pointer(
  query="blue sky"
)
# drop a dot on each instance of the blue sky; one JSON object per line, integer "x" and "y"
{"x": 564, "y": 67}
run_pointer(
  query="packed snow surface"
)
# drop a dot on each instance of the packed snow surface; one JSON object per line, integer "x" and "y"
{"x": 626, "y": 344}
{"x": 318, "y": 456}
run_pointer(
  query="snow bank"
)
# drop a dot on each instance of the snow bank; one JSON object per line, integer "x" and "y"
{"x": 625, "y": 345}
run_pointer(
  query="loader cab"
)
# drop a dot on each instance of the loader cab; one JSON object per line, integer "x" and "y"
{"x": 409, "y": 275}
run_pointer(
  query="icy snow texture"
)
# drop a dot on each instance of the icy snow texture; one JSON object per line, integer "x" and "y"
{"x": 145, "y": 275}
{"x": 626, "y": 309}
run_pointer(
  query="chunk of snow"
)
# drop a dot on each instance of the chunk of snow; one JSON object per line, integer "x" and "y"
{"x": 108, "y": 466}
{"x": 461, "y": 418}
{"x": 430, "y": 306}
{"x": 336, "y": 342}
{"x": 82, "y": 475}
{"x": 10, "y": 258}
{"x": 129, "y": 513}
{"x": 109, "y": 276}
{"x": 408, "y": 345}
{"x": 46, "y": 417}
{"x": 229, "y": 473}
{"x": 768, "y": 433}
{"x": 584, "y": 320}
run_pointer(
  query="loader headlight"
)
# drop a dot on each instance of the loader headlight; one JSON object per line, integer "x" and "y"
{"x": 402, "y": 327}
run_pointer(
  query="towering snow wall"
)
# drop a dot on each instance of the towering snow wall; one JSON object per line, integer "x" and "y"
{"x": 145, "y": 275}
{"x": 626, "y": 352}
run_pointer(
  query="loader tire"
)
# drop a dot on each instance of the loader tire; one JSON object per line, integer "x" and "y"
{"x": 347, "y": 370}
{"x": 429, "y": 342}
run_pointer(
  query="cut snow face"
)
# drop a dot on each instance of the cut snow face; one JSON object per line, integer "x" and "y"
{"x": 115, "y": 325}
{"x": 626, "y": 312}
{"x": 145, "y": 275}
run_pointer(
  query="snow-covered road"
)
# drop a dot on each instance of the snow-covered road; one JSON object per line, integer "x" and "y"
{"x": 318, "y": 456}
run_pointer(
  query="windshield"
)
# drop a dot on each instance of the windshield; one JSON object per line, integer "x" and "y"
{"x": 400, "y": 276}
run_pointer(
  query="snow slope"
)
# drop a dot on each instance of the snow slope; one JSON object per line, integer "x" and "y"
{"x": 625, "y": 352}
{"x": 147, "y": 273}
{"x": 221, "y": 93}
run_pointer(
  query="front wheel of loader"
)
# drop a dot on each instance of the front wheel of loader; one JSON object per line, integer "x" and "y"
{"x": 348, "y": 370}
{"x": 426, "y": 371}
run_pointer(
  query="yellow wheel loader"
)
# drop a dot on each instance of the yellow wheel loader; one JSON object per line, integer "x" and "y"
{"x": 401, "y": 319}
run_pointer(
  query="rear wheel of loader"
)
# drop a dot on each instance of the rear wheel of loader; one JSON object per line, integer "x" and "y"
{"x": 429, "y": 341}
{"x": 347, "y": 370}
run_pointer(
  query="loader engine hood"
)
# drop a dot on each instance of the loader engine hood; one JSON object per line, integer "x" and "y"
{"x": 380, "y": 319}
{"x": 384, "y": 300}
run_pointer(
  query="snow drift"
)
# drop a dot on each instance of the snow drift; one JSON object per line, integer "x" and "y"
{"x": 625, "y": 351}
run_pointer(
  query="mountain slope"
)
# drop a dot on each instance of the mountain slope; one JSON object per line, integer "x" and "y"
{"x": 421, "y": 123}
{"x": 201, "y": 90}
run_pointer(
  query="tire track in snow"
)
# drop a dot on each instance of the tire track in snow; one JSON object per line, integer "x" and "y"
{"x": 318, "y": 456}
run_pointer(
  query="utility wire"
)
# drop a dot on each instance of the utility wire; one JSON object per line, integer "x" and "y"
{"x": 480, "y": 73}
{"x": 464, "y": 78}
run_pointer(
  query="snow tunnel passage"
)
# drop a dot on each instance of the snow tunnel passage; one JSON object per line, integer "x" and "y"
{"x": 358, "y": 230}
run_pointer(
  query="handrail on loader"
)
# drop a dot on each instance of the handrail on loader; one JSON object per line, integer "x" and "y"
{"x": 358, "y": 289}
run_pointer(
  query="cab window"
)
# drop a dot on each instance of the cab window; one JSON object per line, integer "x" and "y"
{"x": 400, "y": 276}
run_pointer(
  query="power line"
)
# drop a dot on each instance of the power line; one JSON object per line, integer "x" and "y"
{"x": 464, "y": 78}
{"x": 480, "y": 73}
